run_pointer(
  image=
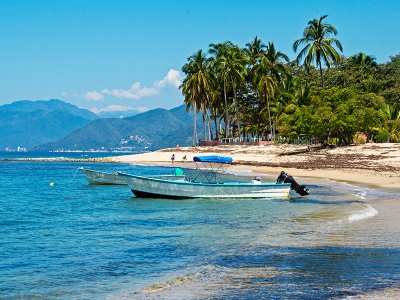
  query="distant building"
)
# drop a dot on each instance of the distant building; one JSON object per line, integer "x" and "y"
{"x": 18, "y": 149}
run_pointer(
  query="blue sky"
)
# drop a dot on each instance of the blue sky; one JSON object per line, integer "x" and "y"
{"x": 120, "y": 55}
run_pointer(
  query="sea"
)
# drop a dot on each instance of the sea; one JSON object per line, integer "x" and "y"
{"x": 61, "y": 238}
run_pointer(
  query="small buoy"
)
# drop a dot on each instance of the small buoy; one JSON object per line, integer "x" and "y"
{"x": 51, "y": 183}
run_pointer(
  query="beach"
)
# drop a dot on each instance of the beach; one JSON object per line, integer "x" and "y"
{"x": 375, "y": 165}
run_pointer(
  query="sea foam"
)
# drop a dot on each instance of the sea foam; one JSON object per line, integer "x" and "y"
{"x": 366, "y": 213}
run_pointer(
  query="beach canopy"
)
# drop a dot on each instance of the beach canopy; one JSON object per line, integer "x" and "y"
{"x": 213, "y": 159}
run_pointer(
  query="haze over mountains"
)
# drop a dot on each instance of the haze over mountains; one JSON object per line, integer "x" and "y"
{"x": 57, "y": 125}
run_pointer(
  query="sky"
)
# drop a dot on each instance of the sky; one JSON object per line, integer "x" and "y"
{"x": 117, "y": 55}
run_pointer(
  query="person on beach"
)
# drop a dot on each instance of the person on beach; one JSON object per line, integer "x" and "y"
{"x": 173, "y": 158}
{"x": 184, "y": 159}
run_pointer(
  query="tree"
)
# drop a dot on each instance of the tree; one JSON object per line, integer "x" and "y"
{"x": 220, "y": 64}
{"x": 269, "y": 74}
{"x": 363, "y": 60}
{"x": 254, "y": 50}
{"x": 318, "y": 45}
{"x": 266, "y": 84}
{"x": 237, "y": 71}
{"x": 277, "y": 69}
{"x": 196, "y": 85}
{"x": 391, "y": 122}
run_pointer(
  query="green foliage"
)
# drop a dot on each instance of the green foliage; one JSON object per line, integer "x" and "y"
{"x": 257, "y": 87}
{"x": 382, "y": 137}
{"x": 333, "y": 113}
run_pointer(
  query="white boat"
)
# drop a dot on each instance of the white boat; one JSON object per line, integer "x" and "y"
{"x": 143, "y": 186}
{"x": 103, "y": 178}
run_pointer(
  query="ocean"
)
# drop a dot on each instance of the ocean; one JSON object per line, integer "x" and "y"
{"x": 77, "y": 241}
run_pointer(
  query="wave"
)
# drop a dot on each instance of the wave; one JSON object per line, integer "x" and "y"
{"x": 360, "y": 194}
{"x": 385, "y": 293}
{"x": 368, "y": 212}
{"x": 210, "y": 280}
{"x": 180, "y": 280}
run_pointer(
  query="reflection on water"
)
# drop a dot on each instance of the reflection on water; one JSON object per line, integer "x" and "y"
{"x": 74, "y": 240}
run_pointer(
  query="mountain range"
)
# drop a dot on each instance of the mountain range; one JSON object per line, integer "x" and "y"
{"x": 30, "y": 123}
{"x": 57, "y": 125}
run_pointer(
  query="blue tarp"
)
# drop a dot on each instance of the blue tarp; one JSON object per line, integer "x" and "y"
{"x": 213, "y": 159}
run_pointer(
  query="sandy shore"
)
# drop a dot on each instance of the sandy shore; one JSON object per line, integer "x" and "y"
{"x": 376, "y": 165}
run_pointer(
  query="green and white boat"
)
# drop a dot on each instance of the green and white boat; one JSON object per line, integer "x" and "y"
{"x": 104, "y": 178}
{"x": 142, "y": 186}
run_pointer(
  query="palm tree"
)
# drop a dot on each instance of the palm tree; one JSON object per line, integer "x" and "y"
{"x": 266, "y": 85}
{"x": 363, "y": 59}
{"x": 270, "y": 71}
{"x": 275, "y": 61}
{"x": 318, "y": 45}
{"x": 391, "y": 118}
{"x": 189, "y": 90}
{"x": 196, "y": 85}
{"x": 220, "y": 64}
{"x": 254, "y": 50}
{"x": 237, "y": 72}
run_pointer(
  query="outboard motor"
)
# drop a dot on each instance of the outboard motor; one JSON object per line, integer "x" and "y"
{"x": 286, "y": 178}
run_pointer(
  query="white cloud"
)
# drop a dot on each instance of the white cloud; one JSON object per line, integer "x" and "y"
{"x": 136, "y": 91}
{"x": 121, "y": 108}
{"x": 173, "y": 78}
{"x": 94, "y": 96}
{"x": 141, "y": 109}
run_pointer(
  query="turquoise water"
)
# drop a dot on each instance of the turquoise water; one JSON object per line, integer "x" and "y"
{"x": 74, "y": 240}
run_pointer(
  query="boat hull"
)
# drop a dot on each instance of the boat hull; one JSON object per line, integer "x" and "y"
{"x": 160, "y": 188}
{"x": 103, "y": 178}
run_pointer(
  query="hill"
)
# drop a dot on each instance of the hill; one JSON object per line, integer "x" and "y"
{"x": 155, "y": 129}
{"x": 117, "y": 114}
{"x": 31, "y": 123}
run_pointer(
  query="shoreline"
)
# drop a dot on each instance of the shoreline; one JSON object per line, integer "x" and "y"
{"x": 370, "y": 165}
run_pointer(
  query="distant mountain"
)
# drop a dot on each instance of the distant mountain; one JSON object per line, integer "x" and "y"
{"x": 155, "y": 129}
{"x": 31, "y": 123}
{"x": 117, "y": 114}
{"x": 27, "y": 106}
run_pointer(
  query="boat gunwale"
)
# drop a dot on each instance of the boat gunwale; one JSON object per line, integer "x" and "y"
{"x": 205, "y": 183}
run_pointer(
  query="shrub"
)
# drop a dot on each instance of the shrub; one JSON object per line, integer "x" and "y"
{"x": 382, "y": 137}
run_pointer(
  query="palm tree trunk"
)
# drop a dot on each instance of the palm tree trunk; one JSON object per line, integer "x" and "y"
{"x": 216, "y": 126}
{"x": 236, "y": 108}
{"x": 194, "y": 143}
{"x": 210, "y": 136}
{"x": 259, "y": 116}
{"x": 320, "y": 74}
{"x": 273, "y": 130}
{"x": 226, "y": 112}
{"x": 269, "y": 116}
{"x": 204, "y": 125}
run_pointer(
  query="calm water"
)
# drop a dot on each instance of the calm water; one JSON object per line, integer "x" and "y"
{"x": 74, "y": 240}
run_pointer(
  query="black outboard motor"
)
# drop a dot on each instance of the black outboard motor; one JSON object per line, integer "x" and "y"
{"x": 286, "y": 178}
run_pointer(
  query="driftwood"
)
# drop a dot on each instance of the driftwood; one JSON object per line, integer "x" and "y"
{"x": 294, "y": 152}
{"x": 303, "y": 150}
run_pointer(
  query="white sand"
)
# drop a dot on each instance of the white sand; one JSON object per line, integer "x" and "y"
{"x": 375, "y": 165}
